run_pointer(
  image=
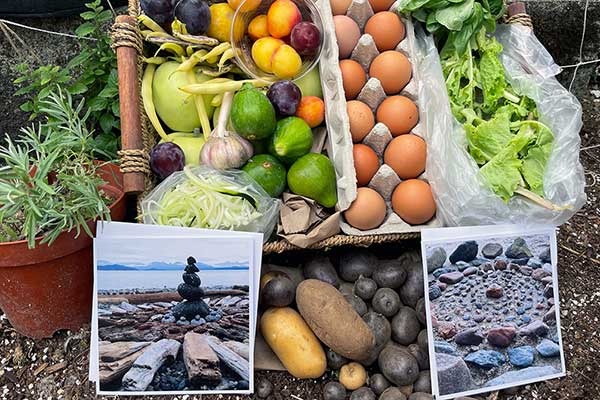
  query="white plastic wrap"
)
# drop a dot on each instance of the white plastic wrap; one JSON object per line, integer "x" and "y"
{"x": 461, "y": 193}
{"x": 230, "y": 181}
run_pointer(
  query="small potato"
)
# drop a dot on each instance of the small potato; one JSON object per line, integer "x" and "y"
{"x": 277, "y": 291}
{"x": 382, "y": 331}
{"x": 363, "y": 393}
{"x": 392, "y": 393}
{"x": 386, "y": 302}
{"x": 357, "y": 303}
{"x": 293, "y": 342}
{"x": 334, "y": 391}
{"x": 398, "y": 365}
{"x": 378, "y": 383}
{"x": 389, "y": 274}
{"x": 356, "y": 262}
{"x": 320, "y": 268}
{"x": 334, "y": 360}
{"x": 405, "y": 326}
{"x": 365, "y": 288}
{"x": 353, "y": 376}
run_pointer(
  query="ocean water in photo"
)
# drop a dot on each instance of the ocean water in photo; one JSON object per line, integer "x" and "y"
{"x": 111, "y": 280}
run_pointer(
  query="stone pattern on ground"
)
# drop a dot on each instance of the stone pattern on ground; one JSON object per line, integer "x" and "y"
{"x": 493, "y": 312}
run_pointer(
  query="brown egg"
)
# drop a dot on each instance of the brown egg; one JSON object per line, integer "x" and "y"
{"x": 387, "y": 30}
{"x": 361, "y": 119}
{"x": 367, "y": 211}
{"x": 339, "y": 7}
{"x": 381, "y": 5}
{"x": 393, "y": 70}
{"x": 413, "y": 201}
{"x": 353, "y": 78}
{"x": 399, "y": 114}
{"x": 347, "y": 34}
{"x": 366, "y": 163}
{"x": 406, "y": 154}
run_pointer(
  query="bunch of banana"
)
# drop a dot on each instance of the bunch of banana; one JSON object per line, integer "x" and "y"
{"x": 214, "y": 58}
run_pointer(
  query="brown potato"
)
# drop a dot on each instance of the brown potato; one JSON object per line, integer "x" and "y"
{"x": 333, "y": 320}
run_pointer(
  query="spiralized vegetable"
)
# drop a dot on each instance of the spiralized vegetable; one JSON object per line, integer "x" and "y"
{"x": 201, "y": 197}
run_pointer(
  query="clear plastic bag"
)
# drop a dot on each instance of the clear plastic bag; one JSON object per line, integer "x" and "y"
{"x": 462, "y": 195}
{"x": 203, "y": 197}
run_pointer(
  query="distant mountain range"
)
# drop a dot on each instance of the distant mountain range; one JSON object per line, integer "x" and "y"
{"x": 161, "y": 266}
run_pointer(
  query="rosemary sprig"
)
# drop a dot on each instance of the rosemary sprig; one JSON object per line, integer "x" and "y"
{"x": 49, "y": 184}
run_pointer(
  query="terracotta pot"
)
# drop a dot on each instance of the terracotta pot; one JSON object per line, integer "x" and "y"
{"x": 49, "y": 288}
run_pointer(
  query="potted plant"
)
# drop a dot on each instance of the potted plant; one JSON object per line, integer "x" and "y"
{"x": 52, "y": 192}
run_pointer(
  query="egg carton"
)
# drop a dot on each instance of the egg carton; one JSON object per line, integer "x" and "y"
{"x": 372, "y": 94}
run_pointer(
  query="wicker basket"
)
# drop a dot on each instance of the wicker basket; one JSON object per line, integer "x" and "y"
{"x": 136, "y": 161}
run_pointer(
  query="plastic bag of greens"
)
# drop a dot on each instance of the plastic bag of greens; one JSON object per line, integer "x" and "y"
{"x": 203, "y": 197}
{"x": 529, "y": 174}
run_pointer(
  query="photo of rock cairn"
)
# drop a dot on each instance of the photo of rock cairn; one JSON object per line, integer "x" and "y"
{"x": 493, "y": 312}
{"x": 189, "y": 339}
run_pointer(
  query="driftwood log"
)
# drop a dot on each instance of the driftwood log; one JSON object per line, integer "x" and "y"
{"x": 119, "y": 350}
{"x": 143, "y": 369}
{"x": 228, "y": 357}
{"x": 111, "y": 371}
{"x": 200, "y": 360}
{"x": 166, "y": 297}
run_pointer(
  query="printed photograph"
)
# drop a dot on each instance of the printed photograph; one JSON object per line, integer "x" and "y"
{"x": 494, "y": 313}
{"x": 173, "y": 314}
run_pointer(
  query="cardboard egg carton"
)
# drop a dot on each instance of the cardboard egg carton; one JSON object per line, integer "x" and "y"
{"x": 372, "y": 94}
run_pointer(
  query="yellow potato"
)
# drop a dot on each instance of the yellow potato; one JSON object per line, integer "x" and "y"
{"x": 293, "y": 342}
{"x": 353, "y": 376}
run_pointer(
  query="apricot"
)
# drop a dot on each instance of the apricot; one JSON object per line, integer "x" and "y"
{"x": 257, "y": 28}
{"x": 312, "y": 110}
{"x": 263, "y": 50}
{"x": 286, "y": 62}
{"x": 282, "y": 16}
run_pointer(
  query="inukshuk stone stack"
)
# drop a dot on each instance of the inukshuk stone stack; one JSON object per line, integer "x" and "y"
{"x": 190, "y": 290}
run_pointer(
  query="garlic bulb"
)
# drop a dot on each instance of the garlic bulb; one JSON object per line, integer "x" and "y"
{"x": 225, "y": 149}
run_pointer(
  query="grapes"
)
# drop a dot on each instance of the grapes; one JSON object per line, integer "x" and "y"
{"x": 285, "y": 97}
{"x": 305, "y": 38}
{"x": 195, "y": 14}
{"x": 160, "y": 11}
{"x": 166, "y": 158}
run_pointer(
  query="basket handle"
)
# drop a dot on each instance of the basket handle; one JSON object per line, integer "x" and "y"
{"x": 134, "y": 159}
{"x": 517, "y": 14}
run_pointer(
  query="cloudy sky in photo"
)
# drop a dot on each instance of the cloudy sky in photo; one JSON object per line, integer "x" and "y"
{"x": 137, "y": 252}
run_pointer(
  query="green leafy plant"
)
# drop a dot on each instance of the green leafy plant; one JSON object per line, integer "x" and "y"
{"x": 503, "y": 134}
{"x": 49, "y": 183}
{"x": 92, "y": 74}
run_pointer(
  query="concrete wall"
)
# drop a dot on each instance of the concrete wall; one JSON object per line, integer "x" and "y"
{"x": 558, "y": 24}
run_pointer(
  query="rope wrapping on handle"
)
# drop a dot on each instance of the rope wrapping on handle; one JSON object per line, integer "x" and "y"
{"x": 134, "y": 160}
{"x": 521, "y": 19}
{"x": 123, "y": 34}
